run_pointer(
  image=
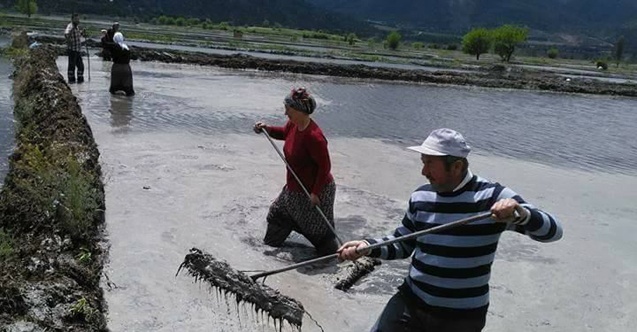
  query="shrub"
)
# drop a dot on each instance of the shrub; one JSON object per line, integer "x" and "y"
{"x": 393, "y": 40}
{"x": 192, "y": 22}
{"x": 224, "y": 25}
{"x": 552, "y": 53}
{"x": 351, "y": 38}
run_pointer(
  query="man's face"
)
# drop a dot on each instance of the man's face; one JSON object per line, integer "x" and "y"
{"x": 115, "y": 27}
{"x": 75, "y": 19}
{"x": 441, "y": 179}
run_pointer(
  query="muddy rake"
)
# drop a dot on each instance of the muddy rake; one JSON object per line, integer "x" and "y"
{"x": 264, "y": 299}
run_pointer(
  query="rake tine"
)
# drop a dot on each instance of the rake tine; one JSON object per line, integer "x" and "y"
{"x": 221, "y": 276}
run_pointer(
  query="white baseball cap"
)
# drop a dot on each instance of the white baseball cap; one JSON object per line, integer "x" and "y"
{"x": 443, "y": 142}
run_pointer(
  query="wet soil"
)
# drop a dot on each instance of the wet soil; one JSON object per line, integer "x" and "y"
{"x": 493, "y": 76}
{"x": 51, "y": 209}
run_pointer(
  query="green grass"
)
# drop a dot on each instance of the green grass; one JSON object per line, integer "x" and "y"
{"x": 11, "y": 52}
{"x": 58, "y": 186}
{"x": 6, "y": 245}
{"x": 77, "y": 198}
{"x": 83, "y": 308}
{"x": 85, "y": 256}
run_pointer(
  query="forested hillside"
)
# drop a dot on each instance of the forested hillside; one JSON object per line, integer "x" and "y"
{"x": 288, "y": 13}
{"x": 446, "y": 15}
{"x": 606, "y": 19}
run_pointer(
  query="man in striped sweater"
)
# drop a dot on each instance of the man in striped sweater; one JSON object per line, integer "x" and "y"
{"x": 447, "y": 288}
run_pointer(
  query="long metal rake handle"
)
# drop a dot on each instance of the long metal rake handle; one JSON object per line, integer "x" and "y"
{"x": 379, "y": 244}
{"x": 318, "y": 208}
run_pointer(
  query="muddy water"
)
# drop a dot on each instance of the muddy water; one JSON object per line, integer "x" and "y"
{"x": 183, "y": 170}
{"x": 6, "y": 115}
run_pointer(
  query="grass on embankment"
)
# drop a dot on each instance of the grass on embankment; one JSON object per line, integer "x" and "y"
{"x": 51, "y": 208}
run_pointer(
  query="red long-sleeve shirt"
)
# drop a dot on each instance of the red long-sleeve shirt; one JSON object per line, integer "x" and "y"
{"x": 306, "y": 152}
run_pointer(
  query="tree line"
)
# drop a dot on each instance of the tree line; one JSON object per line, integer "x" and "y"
{"x": 502, "y": 40}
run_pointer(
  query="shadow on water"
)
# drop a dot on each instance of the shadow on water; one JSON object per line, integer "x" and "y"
{"x": 121, "y": 112}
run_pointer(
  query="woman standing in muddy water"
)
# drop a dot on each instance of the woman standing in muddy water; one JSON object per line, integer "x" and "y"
{"x": 121, "y": 74}
{"x": 306, "y": 152}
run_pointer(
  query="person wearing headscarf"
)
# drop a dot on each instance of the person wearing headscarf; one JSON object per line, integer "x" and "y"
{"x": 306, "y": 152}
{"x": 121, "y": 74}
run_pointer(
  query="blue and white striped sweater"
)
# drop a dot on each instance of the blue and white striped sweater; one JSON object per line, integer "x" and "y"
{"x": 451, "y": 269}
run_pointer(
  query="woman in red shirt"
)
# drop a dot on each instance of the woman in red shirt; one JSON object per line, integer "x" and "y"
{"x": 305, "y": 150}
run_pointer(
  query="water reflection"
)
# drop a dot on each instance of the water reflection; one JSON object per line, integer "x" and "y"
{"x": 121, "y": 112}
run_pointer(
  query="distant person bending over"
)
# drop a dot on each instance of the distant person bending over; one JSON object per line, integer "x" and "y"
{"x": 106, "y": 52}
{"x": 112, "y": 31}
{"x": 73, "y": 36}
{"x": 121, "y": 73}
{"x": 447, "y": 287}
{"x": 305, "y": 150}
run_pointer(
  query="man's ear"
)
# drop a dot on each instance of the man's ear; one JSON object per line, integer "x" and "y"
{"x": 457, "y": 167}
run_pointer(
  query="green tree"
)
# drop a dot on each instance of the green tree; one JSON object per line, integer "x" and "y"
{"x": 224, "y": 25}
{"x": 552, "y": 53}
{"x": 476, "y": 42}
{"x": 351, "y": 39}
{"x": 27, "y": 7}
{"x": 506, "y": 38}
{"x": 191, "y": 22}
{"x": 393, "y": 40}
{"x": 619, "y": 50}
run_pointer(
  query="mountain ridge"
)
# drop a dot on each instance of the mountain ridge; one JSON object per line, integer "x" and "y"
{"x": 462, "y": 15}
{"x": 604, "y": 19}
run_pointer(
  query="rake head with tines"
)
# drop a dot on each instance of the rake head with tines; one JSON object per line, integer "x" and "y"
{"x": 221, "y": 276}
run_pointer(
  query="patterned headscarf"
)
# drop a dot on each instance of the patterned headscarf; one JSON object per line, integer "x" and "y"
{"x": 301, "y": 100}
